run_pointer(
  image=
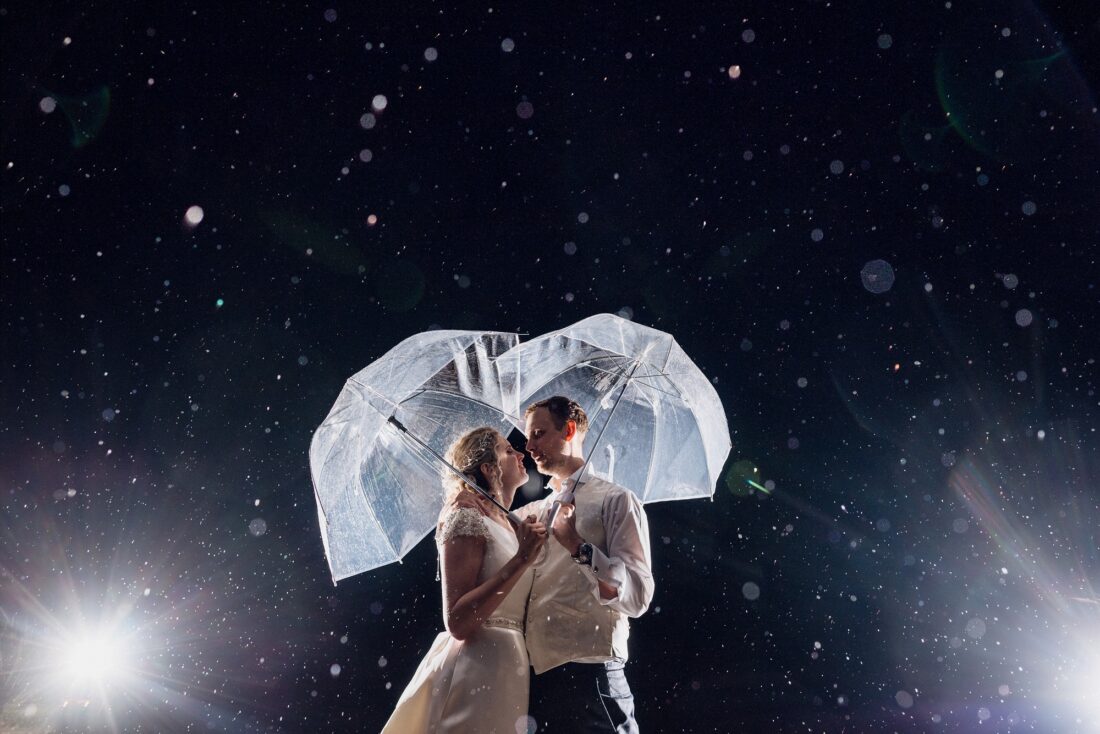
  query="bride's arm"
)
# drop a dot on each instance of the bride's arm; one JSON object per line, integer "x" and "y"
{"x": 467, "y": 604}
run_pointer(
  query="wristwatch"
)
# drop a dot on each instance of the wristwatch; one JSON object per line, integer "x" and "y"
{"x": 583, "y": 556}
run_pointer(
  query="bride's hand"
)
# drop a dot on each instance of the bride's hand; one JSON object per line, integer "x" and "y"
{"x": 531, "y": 535}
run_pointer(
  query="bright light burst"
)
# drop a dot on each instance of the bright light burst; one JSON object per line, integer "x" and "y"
{"x": 1054, "y": 634}
{"x": 67, "y": 673}
{"x": 1080, "y": 682}
{"x": 101, "y": 657}
{"x": 89, "y": 667}
{"x": 107, "y": 636}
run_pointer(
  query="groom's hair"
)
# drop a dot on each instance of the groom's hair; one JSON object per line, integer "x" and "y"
{"x": 561, "y": 410}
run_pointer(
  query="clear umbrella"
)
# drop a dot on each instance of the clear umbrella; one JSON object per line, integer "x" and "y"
{"x": 656, "y": 425}
{"x": 376, "y": 459}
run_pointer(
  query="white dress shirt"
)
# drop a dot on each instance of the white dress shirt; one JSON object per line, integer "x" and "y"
{"x": 627, "y": 565}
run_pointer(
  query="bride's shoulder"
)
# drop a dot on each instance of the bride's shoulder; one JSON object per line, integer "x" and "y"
{"x": 461, "y": 522}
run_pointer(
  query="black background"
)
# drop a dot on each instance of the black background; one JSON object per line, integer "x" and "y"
{"x": 145, "y": 426}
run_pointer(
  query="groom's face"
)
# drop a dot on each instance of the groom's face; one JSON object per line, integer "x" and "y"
{"x": 546, "y": 443}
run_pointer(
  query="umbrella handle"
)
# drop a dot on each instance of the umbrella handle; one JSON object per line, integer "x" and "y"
{"x": 551, "y": 515}
{"x": 567, "y": 497}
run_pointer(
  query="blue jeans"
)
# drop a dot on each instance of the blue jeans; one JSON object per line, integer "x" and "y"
{"x": 583, "y": 698}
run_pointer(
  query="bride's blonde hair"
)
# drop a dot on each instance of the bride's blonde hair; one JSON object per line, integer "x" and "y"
{"x": 467, "y": 454}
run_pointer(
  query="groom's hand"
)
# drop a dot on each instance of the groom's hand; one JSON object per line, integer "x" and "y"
{"x": 468, "y": 501}
{"x": 565, "y": 528}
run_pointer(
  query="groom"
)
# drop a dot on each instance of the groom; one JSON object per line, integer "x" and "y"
{"x": 585, "y": 586}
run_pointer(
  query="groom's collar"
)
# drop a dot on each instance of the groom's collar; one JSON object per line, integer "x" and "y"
{"x": 570, "y": 481}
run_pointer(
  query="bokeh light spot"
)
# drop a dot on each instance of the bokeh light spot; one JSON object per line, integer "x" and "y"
{"x": 877, "y": 276}
{"x": 740, "y": 476}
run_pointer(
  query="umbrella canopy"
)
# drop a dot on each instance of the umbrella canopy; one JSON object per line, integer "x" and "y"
{"x": 667, "y": 437}
{"x": 378, "y": 492}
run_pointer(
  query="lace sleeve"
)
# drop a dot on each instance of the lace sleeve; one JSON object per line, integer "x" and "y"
{"x": 462, "y": 522}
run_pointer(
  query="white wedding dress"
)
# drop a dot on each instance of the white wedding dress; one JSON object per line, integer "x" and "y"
{"x": 479, "y": 684}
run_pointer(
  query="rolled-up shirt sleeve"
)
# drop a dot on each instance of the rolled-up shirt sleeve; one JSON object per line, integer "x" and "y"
{"x": 626, "y": 566}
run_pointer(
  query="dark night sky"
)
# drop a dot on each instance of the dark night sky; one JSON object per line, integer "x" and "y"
{"x": 927, "y": 560}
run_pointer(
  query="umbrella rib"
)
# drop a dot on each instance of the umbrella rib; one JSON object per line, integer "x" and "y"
{"x": 688, "y": 403}
{"x": 431, "y": 419}
{"x": 641, "y": 379}
{"x": 561, "y": 332}
{"x": 385, "y": 536}
{"x": 467, "y": 344}
{"x": 616, "y": 374}
{"x": 668, "y": 356}
{"x": 322, "y": 463}
{"x": 658, "y": 373}
{"x": 320, "y": 506}
{"x": 365, "y": 386}
{"x": 676, "y": 394}
{"x": 653, "y": 453}
{"x": 663, "y": 392}
{"x": 691, "y": 409}
{"x": 467, "y": 398}
{"x": 559, "y": 373}
{"x": 473, "y": 341}
{"x": 619, "y": 373}
{"x": 591, "y": 363}
{"x": 543, "y": 384}
{"x": 366, "y": 501}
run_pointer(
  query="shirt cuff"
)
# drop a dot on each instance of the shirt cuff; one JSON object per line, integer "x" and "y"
{"x": 600, "y": 570}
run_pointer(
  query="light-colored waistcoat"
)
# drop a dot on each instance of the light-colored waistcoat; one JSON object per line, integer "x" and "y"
{"x": 565, "y": 622}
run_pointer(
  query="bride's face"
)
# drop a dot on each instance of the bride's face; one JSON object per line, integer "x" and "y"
{"x": 510, "y": 461}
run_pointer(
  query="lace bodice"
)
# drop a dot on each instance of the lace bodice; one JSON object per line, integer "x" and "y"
{"x": 500, "y": 546}
{"x": 462, "y": 522}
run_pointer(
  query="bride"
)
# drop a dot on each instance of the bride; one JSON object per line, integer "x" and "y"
{"x": 475, "y": 676}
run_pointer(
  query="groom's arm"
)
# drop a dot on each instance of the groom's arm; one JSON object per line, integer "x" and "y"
{"x": 536, "y": 508}
{"x": 626, "y": 567}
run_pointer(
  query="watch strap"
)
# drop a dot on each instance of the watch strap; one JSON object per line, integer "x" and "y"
{"x": 583, "y": 555}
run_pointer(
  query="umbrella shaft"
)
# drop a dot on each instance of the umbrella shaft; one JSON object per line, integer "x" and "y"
{"x": 592, "y": 451}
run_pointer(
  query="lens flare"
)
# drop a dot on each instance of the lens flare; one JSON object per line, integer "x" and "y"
{"x": 101, "y": 657}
